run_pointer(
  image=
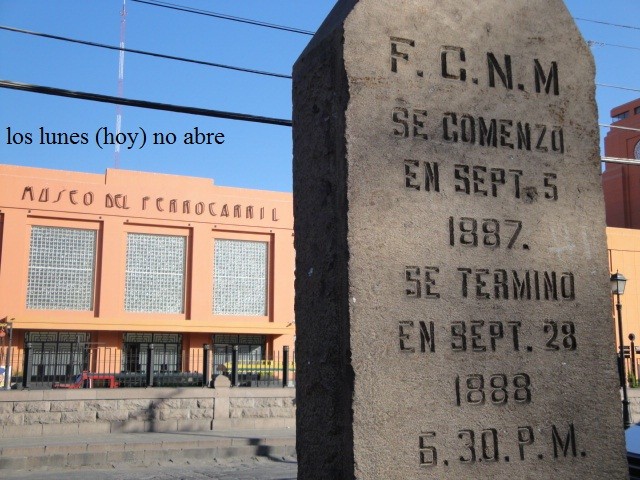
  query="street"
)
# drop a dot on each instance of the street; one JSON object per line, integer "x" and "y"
{"x": 256, "y": 468}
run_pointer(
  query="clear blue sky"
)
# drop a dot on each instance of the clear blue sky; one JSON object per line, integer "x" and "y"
{"x": 253, "y": 155}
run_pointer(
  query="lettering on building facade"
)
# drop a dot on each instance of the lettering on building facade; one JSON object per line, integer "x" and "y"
{"x": 152, "y": 205}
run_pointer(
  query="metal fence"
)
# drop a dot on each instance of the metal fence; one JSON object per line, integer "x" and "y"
{"x": 632, "y": 367}
{"x": 94, "y": 366}
{"x": 253, "y": 369}
{"x": 11, "y": 364}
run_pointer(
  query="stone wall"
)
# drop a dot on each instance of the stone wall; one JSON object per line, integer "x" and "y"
{"x": 104, "y": 411}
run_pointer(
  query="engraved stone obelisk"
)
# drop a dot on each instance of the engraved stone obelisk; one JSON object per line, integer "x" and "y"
{"x": 452, "y": 300}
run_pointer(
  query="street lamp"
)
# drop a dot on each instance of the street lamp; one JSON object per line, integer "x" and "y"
{"x": 618, "y": 282}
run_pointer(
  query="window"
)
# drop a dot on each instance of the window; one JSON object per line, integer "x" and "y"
{"x": 240, "y": 278}
{"x": 155, "y": 273}
{"x": 61, "y": 268}
{"x": 56, "y": 356}
{"x": 247, "y": 344}
{"x": 636, "y": 110}
{"x": 621, "y": 116}
{"x": 167, "y": 352}
{"x": 251, "y": 349}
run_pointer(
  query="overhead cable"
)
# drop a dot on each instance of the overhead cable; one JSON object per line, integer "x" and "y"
{"x": 217, "y": 65}
{"x": 95, "y": 97}
{"x": 604, "y": 125}
{"x": 592, "y": 43}
{"x": 618, "y": 87}
{"x": 596, "y": 21}
{"x": 143, "y": 52}
{"x": 170, "y": 107}
{"x": 625, "y": 161}
{"x": 207, "y": 13}
{"x": 182, "y": 8}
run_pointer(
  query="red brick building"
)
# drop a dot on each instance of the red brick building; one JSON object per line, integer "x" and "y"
{"x": 621, "y": 183}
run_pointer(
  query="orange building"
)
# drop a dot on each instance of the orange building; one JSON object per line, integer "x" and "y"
{"x": 624, "y": 257}
{"x": 127, "y": 259}
{"x": 621, "y": 183}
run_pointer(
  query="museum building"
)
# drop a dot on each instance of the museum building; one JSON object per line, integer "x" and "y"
{"x": 127, "y": 259}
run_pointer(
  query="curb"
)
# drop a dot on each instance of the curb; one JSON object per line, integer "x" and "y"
{"x": 104, "y": 454}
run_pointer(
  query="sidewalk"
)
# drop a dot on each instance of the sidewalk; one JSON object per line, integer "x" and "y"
{"x": 27, "y": 453}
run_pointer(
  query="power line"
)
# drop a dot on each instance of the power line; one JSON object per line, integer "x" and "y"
{"x": 592, "y": 43}
{"x": 618, "y": 87}
{"x": 207, "y": 13}
{"x": 604, "y": 125}
{"x": 143, "y": 52}
{"x": 594, "y": 21}
{"x": 212, "y": 64}
{"x": 170, "y": 107}
{"x": 625, "y": 161}
{"x": 59, "y": 92}
{"x": 172, "y": 6}
{"x": 198, "y": 111}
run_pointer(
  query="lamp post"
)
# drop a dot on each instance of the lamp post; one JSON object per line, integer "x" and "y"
{"x": 632, "y": 339}
{"x": 618, "y": 282}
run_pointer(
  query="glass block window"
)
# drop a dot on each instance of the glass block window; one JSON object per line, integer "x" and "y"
{"x": 155, "y": 270}
{"x": 240, "y": 278}
{"x": 61, "y": 268}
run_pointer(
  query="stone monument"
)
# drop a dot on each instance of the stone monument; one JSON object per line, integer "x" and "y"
{"x": 452, "y": 287}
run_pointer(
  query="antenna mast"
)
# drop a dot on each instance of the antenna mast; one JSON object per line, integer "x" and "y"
{"x": 123, "y": 28}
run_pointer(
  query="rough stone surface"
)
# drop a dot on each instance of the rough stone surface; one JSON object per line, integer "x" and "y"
{"x": 170, "y": 403}
{"x": 142, "y": 415}
{"x": 101, "y": 405}
{"x": 78, "y": 417}
{"x": 11, "y": 418}
{"x": 42, "y": 418}
{"x": 189, "y": 403}
{"x": 242, "y": 402}
{"x": 112, "y": 415}
{"x": 82, "y": 413}
{"x": 67, "y": 406}
{"x": 170, "y": 414}
{"x": 201, "y": 413}
{"x": 452, "y": 298}
{"x": 280, "y": 412}
{"x": 205, "y": 403}
{"x": 136, "y": 404}
{"x": 31, "y": 407}
{"x": 269, "y": 402}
